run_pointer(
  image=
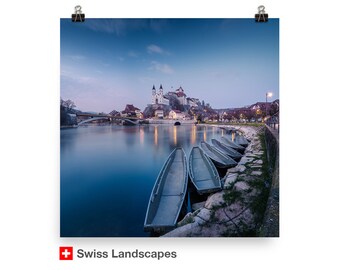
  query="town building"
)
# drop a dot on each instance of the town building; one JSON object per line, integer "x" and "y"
{"x": 177, "y": 115}
{"x": 131, "y": 110}
{"x": 159, "y": 114}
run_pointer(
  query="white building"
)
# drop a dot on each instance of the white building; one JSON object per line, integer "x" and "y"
{"x": 175, "y": 114}
{"x": 158, "y": 97}
{"x": 159, "y": 114}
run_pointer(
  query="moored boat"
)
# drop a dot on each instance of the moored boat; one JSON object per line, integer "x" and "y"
{"x": 232, "y": 144}
{"x": 168, "y": 193}
{"x": 241, "y": 140}
{"x": 225, "y": 149}
{"x": 202, "y": 172}
{"x": 219, "y": 159}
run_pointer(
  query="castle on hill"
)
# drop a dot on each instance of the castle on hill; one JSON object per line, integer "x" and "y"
{"x": 159, "y": 98}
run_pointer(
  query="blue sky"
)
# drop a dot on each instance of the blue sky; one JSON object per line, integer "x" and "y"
{"x": 108, "y": 63}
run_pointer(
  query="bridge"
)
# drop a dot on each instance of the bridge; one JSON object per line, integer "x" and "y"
{"x": 95, "y": 117}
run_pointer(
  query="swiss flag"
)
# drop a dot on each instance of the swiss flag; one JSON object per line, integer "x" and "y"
{"x": 65, "y": 253}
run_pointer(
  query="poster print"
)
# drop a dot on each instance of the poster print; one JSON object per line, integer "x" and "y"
{"x": 169, "y": 127}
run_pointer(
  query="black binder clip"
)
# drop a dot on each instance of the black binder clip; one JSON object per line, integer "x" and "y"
{"x": 78, "y": 16}
{"x": 261, "y": 16}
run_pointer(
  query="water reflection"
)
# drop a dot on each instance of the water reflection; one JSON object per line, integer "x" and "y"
{"x": 105, "y": 174}
{"x": 156, "y": 135}
{"x": 175, "y": 135}
{"x": 193, "y": 134}
{"x": 141, "y": 135}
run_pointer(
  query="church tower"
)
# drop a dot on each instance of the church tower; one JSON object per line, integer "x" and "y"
{"x": 153, "y": 96}
{"x": 160, "y": 99}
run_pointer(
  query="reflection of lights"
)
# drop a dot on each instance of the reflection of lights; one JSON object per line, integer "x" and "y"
{"x": 193, "y": 134}
{"x": 175, "y": 135}
{"x": 156, "y": 135}
{"x": 222, "y": 132}
{"x": 141, "y": 135}
{"x": 233, "y": 136}
{"x": 205, "y": 134}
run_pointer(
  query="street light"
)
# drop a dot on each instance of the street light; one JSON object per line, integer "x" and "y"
{"x": 268, "y": 94}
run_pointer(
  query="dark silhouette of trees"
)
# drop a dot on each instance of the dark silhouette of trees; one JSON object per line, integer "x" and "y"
{"x": 67, "y": 108}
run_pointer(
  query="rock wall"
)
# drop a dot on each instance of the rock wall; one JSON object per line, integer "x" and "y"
{"x": 271, "y": 226}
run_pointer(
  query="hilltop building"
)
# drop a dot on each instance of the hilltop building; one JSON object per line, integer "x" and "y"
{"x": 158, "y": 97}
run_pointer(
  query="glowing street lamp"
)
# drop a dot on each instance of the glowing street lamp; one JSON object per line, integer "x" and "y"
{"x": 268, "y": 95}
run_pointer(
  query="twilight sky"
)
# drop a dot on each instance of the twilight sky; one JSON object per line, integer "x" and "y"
{"x": 108, "y": 63}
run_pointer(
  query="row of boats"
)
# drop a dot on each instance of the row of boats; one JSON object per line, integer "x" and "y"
{"x": 170, "y": 188}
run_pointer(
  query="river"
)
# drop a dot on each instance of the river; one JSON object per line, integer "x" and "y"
{"x": 107, "y": 173}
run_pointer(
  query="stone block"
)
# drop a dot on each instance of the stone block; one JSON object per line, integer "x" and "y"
{"x": 204, "y": 214}
{"x": 257, "y": 173}
{"x": 259, "y": 161}
{"x": 241, "y": 185}
{"x": 199, "y": 205}
{"x": 238, "y": 168}
{"x": 214, "y": 200}
{"x": 245, "y": 160}
{"x": 230, "y": 177}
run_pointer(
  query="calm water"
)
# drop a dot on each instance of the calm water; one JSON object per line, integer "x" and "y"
{"x": 108, "y": 172}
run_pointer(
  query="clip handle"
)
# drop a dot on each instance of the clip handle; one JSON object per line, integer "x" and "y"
{"x": 261, "y": 16}
{"x": 78, "y": 16}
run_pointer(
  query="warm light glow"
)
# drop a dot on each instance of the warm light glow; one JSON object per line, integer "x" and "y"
{"x": 141, "y": 136}
{"x": 193, "y": 134}
{"x": 233, "y": 136}
{"x": 269, "y": 94}
{"x": 156, "y": 135}
{"x": 175, "y": 135}
{"x": 205, "y": 134}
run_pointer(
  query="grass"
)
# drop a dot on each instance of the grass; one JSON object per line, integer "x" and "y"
{"x": 258, "y": 203}
{"x": 234, "y": 124}
{"x": 232, "y": 196}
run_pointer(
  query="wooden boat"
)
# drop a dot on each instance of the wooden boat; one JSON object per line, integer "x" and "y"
{"x": 168, "y": 193}
{"x": 241, "y": 140}
{"x": 202, "y": 172}
{"x": 225, "y": 149}
{"x": 232, "y": 144}
{"x": 219, "y": 159}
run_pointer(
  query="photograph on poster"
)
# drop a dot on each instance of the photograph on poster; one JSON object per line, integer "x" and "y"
{"x": 169, "y": 127}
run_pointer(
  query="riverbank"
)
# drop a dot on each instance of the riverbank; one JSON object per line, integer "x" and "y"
{"x": 237, "y": 210}
{"x": 171, "y": 121}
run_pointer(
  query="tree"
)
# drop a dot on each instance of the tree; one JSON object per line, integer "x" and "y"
{"x": 68, "y": 104}
{"x": 66, "y": 107}
{"x": 175, "y": 104}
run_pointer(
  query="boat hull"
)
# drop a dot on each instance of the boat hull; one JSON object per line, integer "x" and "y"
{"x": 241, "y": 140}
{"x": 168, "y": 193}
{"x": 220, "y": 160}
{"x": 227, "y": 150}
{"x": 233, "y": 145}
{"x": 202, "y": 172}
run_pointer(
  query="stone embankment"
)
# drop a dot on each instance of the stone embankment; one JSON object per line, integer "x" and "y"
{"x": 238, "y": 209}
